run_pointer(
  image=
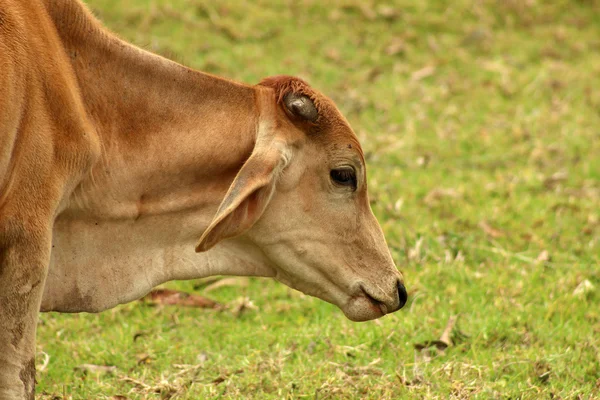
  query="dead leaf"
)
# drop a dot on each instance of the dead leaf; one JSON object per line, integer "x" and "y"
{"x": 439, "y": 193}
{"x": 476, "y": 36}
{"x": 335, "y": 15}
{"x": 387, "y": 12}
{"x": 333, "y": 54}
{"x": 166, "y": 389}
{"x": 241, "y": 305}
{"x": 119, "y": 397}
{"x": 423, "y": 73}
{"x": 396, "y": 46}
{"x": 218, "y": 380}
{"x": 202, "y": 357}
{"x": 490, "y": 230}
{"x": 373, "y": 74}
{"x": 423, "y": 161}
{"x": 143, "y": 358}
{"x": 223, "y": 378}
{"x": 177, "y": 298}
{"x": 227, "y": 282}
{"x": 552, "y": 181}
{"x": 97, "y": 369}
{"x": 447, "y": 339}
{"x": 544, "y": 256}
{"x": 433, "y": 43}
{"x": 367, "y": 11}
{"x": 584, "y": 287}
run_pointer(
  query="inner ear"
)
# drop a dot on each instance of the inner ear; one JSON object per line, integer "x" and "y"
{"x": 247, "y": 197}
{"x": 302, "y": 106}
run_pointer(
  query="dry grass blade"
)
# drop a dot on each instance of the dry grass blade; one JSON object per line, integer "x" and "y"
{"x": 423, "y": 73}
{"x": 42, "y": 368}
{"x": 224, "y": 377}
{"x": 446, "y": 336}
{"x": 490, "y": 230}
{"x": 204, "y": 282}
{"x": 364, "y": 370}
{"x": 166, "y": 389}
{"x": 438, "y": 194}
{"x": 226, "y": 282}
{"x": 98, "y": 369}
{"x": 445, "y": 340}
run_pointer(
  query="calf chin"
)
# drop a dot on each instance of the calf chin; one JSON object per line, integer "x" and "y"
{"x": 361, "y": 309}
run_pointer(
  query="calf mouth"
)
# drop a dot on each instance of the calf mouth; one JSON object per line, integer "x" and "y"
{"x": 376, "y": 303}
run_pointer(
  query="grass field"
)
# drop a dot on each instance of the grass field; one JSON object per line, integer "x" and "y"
{"x": 481, "y": 124}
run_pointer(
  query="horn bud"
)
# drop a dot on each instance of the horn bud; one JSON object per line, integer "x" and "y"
{"x": 301, "y": 106}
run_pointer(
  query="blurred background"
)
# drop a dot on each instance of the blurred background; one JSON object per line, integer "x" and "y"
{"x": 480, "y": 120}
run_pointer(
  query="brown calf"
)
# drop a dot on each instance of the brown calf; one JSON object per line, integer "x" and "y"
{"x": 117, "y": 166}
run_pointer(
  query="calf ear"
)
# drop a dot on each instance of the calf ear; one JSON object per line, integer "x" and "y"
{"x": 246, "y": 198}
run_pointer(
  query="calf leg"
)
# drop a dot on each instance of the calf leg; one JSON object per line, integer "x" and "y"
{"x": 24, "y": 259}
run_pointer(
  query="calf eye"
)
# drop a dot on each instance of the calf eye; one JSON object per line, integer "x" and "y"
{"x": 344, "y": 177}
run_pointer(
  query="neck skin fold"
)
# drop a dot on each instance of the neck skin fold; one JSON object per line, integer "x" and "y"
{"x": 172, "y": 140}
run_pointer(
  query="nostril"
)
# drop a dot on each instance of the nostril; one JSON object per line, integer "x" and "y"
{"x": 402, "y": 295}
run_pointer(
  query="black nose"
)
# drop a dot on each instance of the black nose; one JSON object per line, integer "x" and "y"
{"x": 402, "y": 295}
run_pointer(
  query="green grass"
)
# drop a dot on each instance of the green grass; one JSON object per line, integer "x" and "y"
{"x": 481, "y": 125}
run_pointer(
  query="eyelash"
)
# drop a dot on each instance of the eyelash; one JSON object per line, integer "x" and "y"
{"x": 344, "y": 177}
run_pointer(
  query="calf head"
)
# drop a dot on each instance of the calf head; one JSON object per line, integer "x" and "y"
{"x": 302, "y": 198}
